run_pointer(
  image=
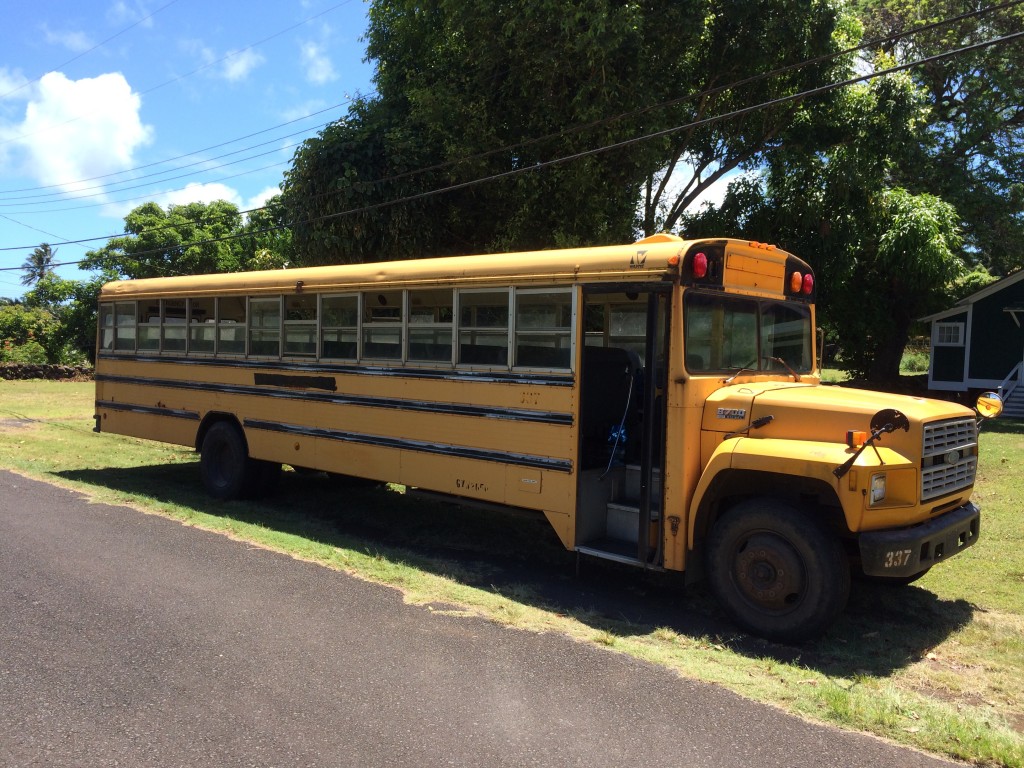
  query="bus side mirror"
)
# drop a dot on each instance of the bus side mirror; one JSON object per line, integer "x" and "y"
{"x": 989, "y": 405}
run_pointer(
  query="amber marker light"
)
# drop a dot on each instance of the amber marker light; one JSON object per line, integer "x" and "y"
{"x": 856, "y": 438}
{"x": 796, "y": 282}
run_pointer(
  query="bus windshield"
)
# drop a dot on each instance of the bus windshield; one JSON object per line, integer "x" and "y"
{"x": 724, "y": 334}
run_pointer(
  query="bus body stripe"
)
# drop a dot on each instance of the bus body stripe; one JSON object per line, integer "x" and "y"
{"x": 463, "y": 452}
{"x": 451, "y": 409}
{"x": 148, "y": 409}
{"x": 511, "y": 377}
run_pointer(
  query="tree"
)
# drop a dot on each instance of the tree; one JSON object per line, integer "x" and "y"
{"x": 196, "y": 238}
{"x": 490, "y": 90}
{"x": 73, "y": 306}
{"x": 38, "y": 264}
{"x": 971, "y": 154}
{"x": 883, "y": 255}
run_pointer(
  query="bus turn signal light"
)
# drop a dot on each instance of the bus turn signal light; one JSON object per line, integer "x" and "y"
{"x": 856, "y": 438}
{"x": 796, "y": 282}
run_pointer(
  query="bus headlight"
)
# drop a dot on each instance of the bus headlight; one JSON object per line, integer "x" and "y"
{"x": 877, "y": 488}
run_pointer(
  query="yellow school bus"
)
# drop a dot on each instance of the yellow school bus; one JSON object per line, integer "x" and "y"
{"x": 659, "y": 402}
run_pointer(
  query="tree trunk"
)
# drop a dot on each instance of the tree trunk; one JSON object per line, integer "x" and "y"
{"x": 885, "y": 368}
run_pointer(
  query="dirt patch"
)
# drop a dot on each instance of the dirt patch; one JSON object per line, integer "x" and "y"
{"x": 16, "y": 423}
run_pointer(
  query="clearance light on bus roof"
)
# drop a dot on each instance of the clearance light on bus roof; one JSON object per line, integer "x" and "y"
{"x": 700, "y": 265}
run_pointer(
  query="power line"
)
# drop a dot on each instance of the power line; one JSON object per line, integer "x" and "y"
{"x": 198, "y": 151}
{"x": 73, "y": 59}
{"x": 193, "y": 72}
{"x": 7, "y": 204}
{"x": 643, "y": 110}
{"x": 810, "y": 93}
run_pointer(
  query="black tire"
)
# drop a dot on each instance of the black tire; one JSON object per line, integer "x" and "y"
{"x": 227, "y": 471}
{"x": 777, "y": 572}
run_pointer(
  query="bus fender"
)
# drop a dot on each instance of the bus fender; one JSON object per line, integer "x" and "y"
{"x": 744, "y": 466}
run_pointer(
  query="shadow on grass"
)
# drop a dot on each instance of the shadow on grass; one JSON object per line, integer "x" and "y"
{"x": 517, "y": 555}
{"x": 1003, "y": 426}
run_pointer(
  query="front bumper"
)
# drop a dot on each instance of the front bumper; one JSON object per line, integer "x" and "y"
{"x": 909, "y": 551}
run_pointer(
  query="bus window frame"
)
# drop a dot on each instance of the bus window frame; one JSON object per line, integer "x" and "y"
{"x": 569, "y": 332}
{"x": 483, "y": 329}
{"x": 249, "y": 326}
{"x": 382, "y": 324}
{"x": 435, "y": 325}
{"x": 358, "y": 296}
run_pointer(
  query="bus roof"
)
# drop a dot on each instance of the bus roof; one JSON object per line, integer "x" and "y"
{"x": 652, "y": 259}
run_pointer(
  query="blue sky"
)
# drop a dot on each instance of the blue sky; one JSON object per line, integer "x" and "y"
{"x": 105, "y": 104}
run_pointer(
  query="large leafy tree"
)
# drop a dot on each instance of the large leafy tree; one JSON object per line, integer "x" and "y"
{"x": 496, "y": 90}
{"x": 187, "y": 239}
{"x": 972, "y": 154}
{"x": 884, "y": 255}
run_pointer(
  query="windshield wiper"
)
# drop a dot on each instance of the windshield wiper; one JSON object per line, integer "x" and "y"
{"x": 784, "y": 364}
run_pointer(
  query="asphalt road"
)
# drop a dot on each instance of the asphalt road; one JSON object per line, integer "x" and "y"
{"x": 131, "y": 640}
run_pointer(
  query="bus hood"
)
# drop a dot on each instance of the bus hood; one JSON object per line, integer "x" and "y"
{"x": 823, "y": 413}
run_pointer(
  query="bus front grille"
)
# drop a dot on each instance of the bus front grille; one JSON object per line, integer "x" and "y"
{"x": 949, "y": 460}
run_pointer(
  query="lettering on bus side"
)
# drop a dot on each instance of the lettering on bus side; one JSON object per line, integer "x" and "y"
{"x": 476, "y": 486}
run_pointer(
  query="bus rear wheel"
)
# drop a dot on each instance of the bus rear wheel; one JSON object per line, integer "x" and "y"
{"x": 227, "y": 470}
{"x": 777, "y": 572}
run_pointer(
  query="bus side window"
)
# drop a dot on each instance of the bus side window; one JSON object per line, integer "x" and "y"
{"x": 202, "y": 329}
{"x": 382, "y": 325}
{"x": 231, "y": 325}
{"x": 106, "y": 327}
{"x": 543, "y": 328}
{"x": 430, "y": 326}
{"x": 124, "y": 322}
{"x": 339, "y": 323}
{"x": 265, "y": 327}
{"x": 483, "y": 327}
{"x": 149, "y": 326}
{"x": 173, "y": 329}
{"x": 300, "y": 325}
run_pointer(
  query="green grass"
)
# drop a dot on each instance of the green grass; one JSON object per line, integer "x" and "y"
{"x": 937, "y": 665}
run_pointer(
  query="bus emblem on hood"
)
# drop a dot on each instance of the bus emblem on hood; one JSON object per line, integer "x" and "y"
{"x": 732, "y": 413}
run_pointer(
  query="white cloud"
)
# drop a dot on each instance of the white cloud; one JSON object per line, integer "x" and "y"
{"x": 76, "y": 42}
{"x": 319, "y": 69}
{"x": 199, "y": 193}
{"x": 260, "y": 198}
{"x": 79, "y": 129}
{"x": 232, "y": 67}
{"x": 238, "y": 65}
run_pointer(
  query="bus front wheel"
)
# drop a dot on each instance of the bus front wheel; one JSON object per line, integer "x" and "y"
{"x": 227, "y": 471}
{"x": 777, "y": 572}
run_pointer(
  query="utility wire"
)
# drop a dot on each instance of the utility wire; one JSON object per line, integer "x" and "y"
{"x": 576, "y": 129}
{"x": 810, "y": 93}
{"x": 193, "y": 72}
{"x": 73, "y": 59}
{"x": 755, "y": 78}
{"x": 198, "y": 151}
